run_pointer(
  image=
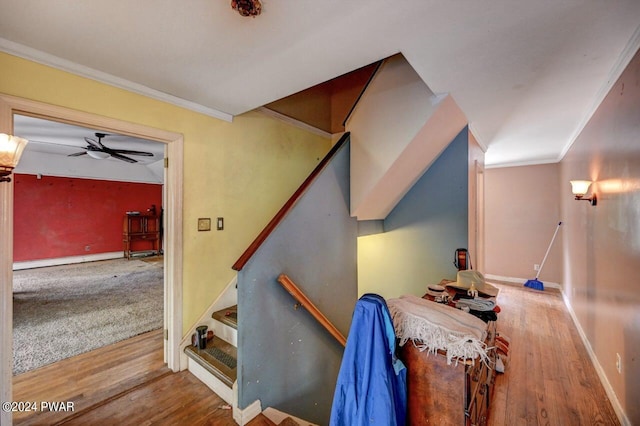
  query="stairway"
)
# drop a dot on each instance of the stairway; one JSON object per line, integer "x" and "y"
{"x": 216, "y": 365}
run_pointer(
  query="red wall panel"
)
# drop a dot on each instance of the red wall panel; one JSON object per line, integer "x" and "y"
{"x": 59, "y": 217}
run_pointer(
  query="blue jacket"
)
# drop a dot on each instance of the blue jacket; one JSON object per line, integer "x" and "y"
{"x": 372, "y": 383}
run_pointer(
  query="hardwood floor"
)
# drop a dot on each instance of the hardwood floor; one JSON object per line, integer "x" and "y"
{"x": 125, "y": 383}
{"x": 550, "y": 379}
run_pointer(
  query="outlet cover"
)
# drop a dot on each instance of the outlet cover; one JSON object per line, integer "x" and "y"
{"x": 618, "y": 363}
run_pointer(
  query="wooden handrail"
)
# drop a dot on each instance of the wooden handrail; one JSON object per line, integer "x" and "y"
{"x": 255, "y": 245}
{"x": 309, "y": 306}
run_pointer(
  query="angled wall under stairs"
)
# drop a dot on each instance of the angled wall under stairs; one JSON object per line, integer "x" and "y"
{"x": 399, "y": 127}
{"x": 286, "y": 359}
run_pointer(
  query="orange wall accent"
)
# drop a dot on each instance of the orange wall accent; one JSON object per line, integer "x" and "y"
{"x": 60, "y": 217}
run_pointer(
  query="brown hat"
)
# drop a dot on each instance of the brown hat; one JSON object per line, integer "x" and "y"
{"x": 465, "y": 278}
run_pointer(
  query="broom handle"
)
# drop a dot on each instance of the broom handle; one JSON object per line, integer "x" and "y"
{"x": 548, "y": 250}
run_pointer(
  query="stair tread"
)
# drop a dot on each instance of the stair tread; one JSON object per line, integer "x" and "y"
{"x": 219, "y": 358}
{"x": 228, "y": 316}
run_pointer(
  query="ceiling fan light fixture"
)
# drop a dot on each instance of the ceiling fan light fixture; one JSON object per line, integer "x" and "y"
{"x": 98, "y": 155}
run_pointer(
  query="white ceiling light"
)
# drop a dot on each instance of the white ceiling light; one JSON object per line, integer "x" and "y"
{"x": 98, "y": 155}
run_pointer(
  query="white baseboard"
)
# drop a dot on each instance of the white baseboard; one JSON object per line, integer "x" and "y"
{"x": 212, "y": 382}
{"x": 41, "y": 263}
{"x": 622, "y": 417}
{"x": 520, "y": 281}
{"x": 242, "y": 417}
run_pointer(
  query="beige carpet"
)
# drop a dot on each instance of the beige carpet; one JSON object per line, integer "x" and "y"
{"x": 62, "y": 311}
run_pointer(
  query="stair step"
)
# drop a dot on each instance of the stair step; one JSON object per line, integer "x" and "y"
{"x": 218, "y": 358}
{"x": 228, "y": 316}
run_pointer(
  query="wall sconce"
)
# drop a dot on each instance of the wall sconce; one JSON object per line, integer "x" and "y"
{"x": 580, "y": 188}
{"x": 11, "y": 148}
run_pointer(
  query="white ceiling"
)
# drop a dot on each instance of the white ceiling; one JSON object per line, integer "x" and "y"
{"x": 527, "y": 74}
{"x": 63, "y": 139}
{"x": 51, "y": 144}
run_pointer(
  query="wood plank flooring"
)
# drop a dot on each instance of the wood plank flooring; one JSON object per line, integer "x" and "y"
{"x": 549, "y": 381}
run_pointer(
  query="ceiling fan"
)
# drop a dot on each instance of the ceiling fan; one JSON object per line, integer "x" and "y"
{"x": 97, "y": 150}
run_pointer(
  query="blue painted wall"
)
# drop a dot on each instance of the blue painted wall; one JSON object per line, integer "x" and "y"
{"x": 422, "y": 232}
{"x": 286, "y": 359}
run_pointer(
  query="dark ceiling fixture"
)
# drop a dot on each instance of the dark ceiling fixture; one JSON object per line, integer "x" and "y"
{"x": 97, "y": 150}
{"x": 247, "y": 7}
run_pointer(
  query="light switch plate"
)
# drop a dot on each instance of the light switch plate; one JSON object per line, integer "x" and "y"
{"x": 204, "y": 224}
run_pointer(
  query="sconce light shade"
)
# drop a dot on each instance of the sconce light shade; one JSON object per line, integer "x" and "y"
{"x": 579, "y": 188}
{"x": 11, "y": 148}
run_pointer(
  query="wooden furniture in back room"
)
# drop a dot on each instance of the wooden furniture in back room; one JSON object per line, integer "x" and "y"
{"x": 139, "y": 228}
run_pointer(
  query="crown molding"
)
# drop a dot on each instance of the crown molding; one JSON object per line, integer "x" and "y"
{"x": 47, "y": 59}
{"x": 616, "y": 71}
{"x": 537, "y": 162}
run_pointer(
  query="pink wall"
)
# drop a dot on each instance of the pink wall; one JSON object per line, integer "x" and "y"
{"x": 60, "y": 217}
{"x": 602, "y": 243}
{"x": 522, "y": 210}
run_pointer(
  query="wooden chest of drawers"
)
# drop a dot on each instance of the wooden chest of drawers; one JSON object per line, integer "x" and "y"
{"x": 442, "y": 394}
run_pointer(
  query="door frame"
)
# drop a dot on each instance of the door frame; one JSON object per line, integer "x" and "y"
{"x": 172, "y": 244}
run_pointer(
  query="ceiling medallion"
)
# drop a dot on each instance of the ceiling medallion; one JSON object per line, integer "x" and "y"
{"x": 247, "y": 7}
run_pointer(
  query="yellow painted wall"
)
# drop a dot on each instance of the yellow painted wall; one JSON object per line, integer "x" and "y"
{"x": 243, "y": 171}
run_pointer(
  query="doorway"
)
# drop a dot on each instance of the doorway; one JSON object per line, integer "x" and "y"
{"x": 73, "y": 289}
{"x": 172, "y": 195}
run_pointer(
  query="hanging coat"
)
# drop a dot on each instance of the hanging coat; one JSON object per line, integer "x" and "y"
{"x": 372, "y": 382}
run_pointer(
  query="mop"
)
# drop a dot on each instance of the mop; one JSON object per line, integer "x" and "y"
{"x": 535, "y": 283}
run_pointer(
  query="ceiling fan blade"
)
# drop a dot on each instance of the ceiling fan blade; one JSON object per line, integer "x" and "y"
{"x": 92, "y": 143}
{"x": 77, "y": 154}
{"x": 130, "y": 152}
{"x": 122, "y": 157}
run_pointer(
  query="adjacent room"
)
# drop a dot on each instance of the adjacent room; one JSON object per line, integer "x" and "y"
{"x": 88, "y": 264}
